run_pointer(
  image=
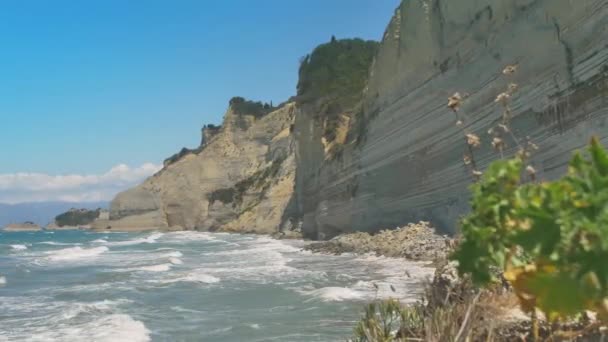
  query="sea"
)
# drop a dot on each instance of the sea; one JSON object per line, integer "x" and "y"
{"x": 187, "y": 286}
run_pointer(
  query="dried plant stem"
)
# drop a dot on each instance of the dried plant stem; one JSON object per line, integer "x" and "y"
{"x": 466, "y": 317}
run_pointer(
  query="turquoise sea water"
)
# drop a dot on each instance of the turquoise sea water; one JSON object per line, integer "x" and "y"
{"x": 186, "y": 286}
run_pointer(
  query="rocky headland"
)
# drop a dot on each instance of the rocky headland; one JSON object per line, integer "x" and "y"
{"x": 22, "y": 227}
{"x": 77, "y": 219}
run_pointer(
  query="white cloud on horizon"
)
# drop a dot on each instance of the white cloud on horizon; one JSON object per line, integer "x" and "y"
{"x": 38, "y": 187}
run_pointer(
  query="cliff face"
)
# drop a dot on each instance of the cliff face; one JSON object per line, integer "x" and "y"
{"x": 241, "y": 178}
{"x": 405, "y": 161}
{"x": 370, "y": 148}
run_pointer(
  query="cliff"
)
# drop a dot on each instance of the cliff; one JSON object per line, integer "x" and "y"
{"x": 370, "y": 146}
{"x": 405, "y": 162}
{"x": 240, "y": 178}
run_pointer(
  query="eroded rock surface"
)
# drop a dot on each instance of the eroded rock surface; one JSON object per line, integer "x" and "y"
{"x": 240, "y": 179}
{"x": 404, "y": 163}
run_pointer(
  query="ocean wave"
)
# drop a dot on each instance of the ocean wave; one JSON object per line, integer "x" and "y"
{"x": 105, "y": 306}
{"x": 196, "y": 276}
{"x": 53, "y": 243}
{"x": 185, "y": 236}
{"x": 149, "y": 239}
{"x": 174, "y": 254}
{"x": 19, "y": 247}
{"x": 99, "y": 241}
{"x": 75, "y": 253}
{"x": 334, "y": 294}
{"x": 109, "y": 328}
{"x": 153, "y": 268}
{"x": 175, "y": 261}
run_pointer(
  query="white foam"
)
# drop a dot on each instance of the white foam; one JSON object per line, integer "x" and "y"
{"x": 335, "y": 294}
{"x": 154, "y": 268}
{"x": 192, "y": 277}
{"x": 53, "y": 243}
{"x": 119, "y": 328}
{"x": 149, "y": 239}
{"x": 92, "y": 307}
{"x": 185, "y": 236}
{"x": 75, "y": 253}
{"x": 254, "y": 326}
{"x": 99, "y": 241}
{"x": 2, "y": 281}
{"x": 19, "y": 247}
{"x": 176, "y": 254}
{"x": 175, "y": 261}
{"x": 109, "y": 328}
{"x": 200, "y": 278}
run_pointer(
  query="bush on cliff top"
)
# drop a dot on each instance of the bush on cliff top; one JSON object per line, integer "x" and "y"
{"x": 338, "y": 69}
{"x": 241, "y": 106}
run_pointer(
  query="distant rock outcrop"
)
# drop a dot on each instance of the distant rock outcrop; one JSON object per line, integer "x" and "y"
{"x": 22, "y": 227}
{"x": 75, "y": 218}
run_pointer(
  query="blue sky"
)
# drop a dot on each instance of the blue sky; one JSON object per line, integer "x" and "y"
{"x": 89, "y": 85}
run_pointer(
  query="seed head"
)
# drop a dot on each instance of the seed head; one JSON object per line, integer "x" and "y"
{"x": 523, "y": 154}
{"x": 533, "y": 146}
{"x": 531, "y": 172}
{"x": 509, "y": 69}
{"x": 504, "y": 127}
{"x": 473, "y": 140}
{"x": 512, "y": 88}
{"x": 502, "y": 98}
{"x": 477, "y": 173}
{"x": 459, "y": 123}
{"x": 454, "y": 101}
{"x": 466, "y": 159}
{"x": 498, "y": 143}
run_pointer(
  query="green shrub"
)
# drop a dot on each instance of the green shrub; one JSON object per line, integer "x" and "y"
{"x": 77, "y": 217}
{"x": 549, "y": 238}
{"x": 241, "y": 106}
{"x": 338, "y": 69}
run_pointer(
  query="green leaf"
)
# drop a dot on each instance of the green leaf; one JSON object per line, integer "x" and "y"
{"x": 599, "y": 156}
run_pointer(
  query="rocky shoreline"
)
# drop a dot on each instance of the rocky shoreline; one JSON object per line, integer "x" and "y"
{"x": 415, "y": 241}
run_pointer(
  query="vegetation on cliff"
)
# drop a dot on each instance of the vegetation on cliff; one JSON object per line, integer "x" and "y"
{"x": 260, "y": 180}
{"x": 77, "y": 217}
{"x": 338, "y": 70}
{"x": 242, "y": 106}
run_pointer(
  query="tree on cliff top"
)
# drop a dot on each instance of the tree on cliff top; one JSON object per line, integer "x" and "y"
{"x": 338, "y": 69}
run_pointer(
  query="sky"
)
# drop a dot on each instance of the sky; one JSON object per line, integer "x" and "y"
{"x": 95, "y": 94}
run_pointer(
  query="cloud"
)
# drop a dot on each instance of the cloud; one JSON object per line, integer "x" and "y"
{"x": 37, "y": 187}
